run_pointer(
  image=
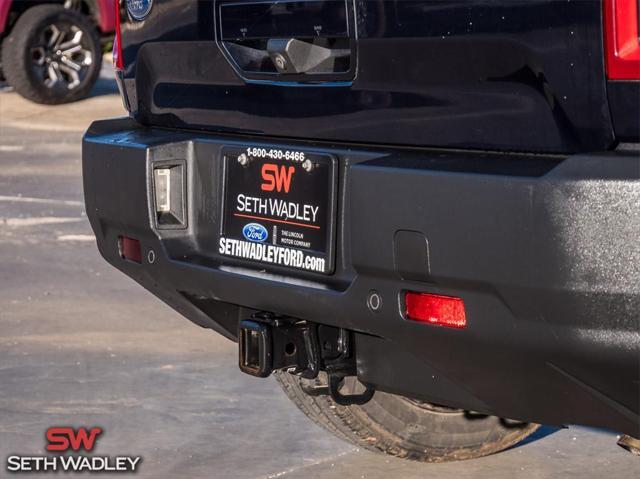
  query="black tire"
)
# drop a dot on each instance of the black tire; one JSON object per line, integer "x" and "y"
{"x": 406, "y": 428}
{"x": 37, "y": 65}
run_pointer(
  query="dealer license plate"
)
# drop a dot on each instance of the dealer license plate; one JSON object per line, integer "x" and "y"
{"x": 279, "y": 208}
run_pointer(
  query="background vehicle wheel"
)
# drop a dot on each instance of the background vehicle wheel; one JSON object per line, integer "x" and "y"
{"x": 52, "y": 55}
{"x": 407, "y": 428}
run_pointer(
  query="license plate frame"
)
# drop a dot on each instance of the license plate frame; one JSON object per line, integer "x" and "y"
{"x": 279, "y": 208}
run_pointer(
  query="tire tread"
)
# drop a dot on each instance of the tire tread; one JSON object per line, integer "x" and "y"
{"x": 348, "y": 423}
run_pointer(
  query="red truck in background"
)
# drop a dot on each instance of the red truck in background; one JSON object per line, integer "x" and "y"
{"x": 51, "y": 50}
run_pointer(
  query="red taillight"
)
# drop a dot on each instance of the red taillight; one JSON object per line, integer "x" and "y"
{"x": 435, "y": 309}
{"x": 622, "y": 45}
{"x": 118, "y": 62}
{"x": 130, "y": 249}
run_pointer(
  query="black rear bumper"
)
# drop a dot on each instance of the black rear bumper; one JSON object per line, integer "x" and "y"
{"x": 543, "y": 250}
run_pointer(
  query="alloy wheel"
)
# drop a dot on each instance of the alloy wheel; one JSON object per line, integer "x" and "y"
{"x": 61, "y": 56}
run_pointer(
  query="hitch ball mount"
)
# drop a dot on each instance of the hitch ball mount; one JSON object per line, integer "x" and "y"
{"x": 270, "y": 343}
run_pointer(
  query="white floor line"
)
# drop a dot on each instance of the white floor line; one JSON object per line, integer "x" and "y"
{"x": 76, "y": 238}
{"x": 48, "y": 201}
{"x": 11, "y": 148}
{"x": 44, "y": 220}
{"x": 317, "y": 462}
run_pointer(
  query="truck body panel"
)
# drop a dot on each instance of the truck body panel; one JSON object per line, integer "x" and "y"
{"x": 495, "y": 75}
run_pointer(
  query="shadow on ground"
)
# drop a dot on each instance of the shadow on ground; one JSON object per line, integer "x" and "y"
{"x": 104, "y": 86}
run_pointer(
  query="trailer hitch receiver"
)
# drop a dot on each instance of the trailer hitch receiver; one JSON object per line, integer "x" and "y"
{"x": 269, "y": 343}
{"x": 256, "y": 349}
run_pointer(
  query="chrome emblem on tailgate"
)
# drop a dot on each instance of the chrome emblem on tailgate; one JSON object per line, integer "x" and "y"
{"x": 139, "y": 9}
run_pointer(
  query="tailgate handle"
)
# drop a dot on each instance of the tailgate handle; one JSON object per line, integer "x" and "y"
{"x": 297, "y": 56}
{"x": 293, "y": 56}
{"x": 292, "y": 41}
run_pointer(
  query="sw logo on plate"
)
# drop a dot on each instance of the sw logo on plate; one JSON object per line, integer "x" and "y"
{"x": 255, "y": 232}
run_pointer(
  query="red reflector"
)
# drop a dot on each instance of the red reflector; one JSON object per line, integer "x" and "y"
{"x": 130, "y": 249}
{"x": 436, "y": 309}
{"x": 118, "y": 62}
{"x": 621, "y": 39}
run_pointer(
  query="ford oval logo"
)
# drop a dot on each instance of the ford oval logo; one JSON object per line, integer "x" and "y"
{"x": 255, "y": 232}
{"x": 139, "y": 9}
